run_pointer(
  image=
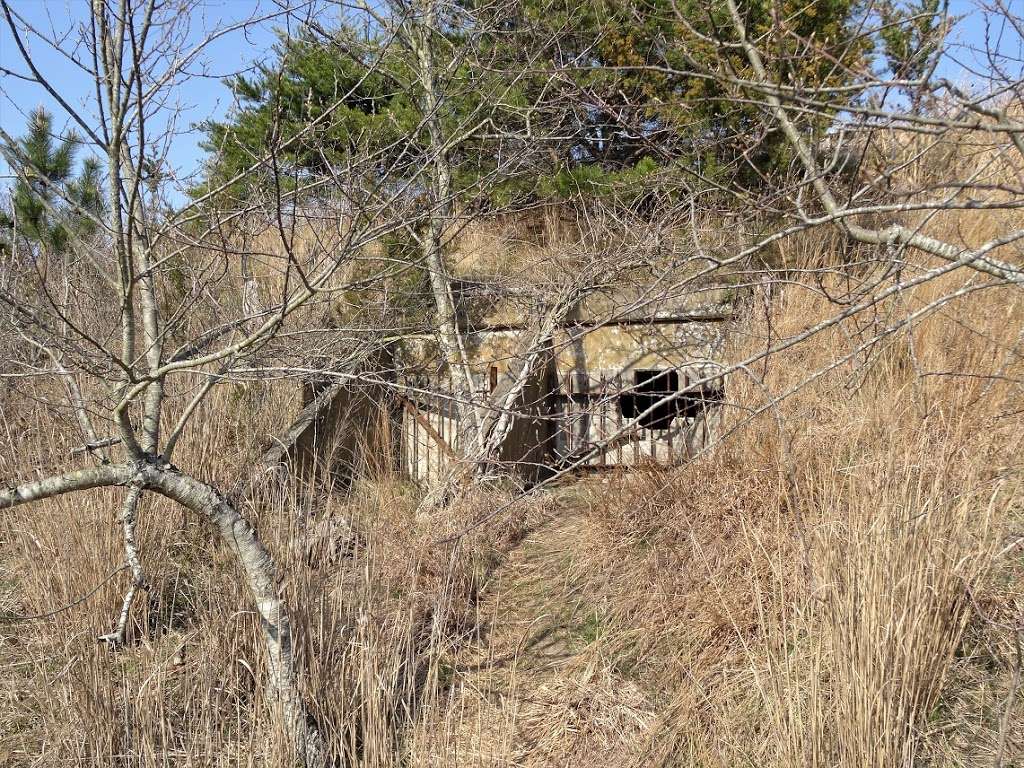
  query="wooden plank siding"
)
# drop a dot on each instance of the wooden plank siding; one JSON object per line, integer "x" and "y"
{"x": 576, "y": 419}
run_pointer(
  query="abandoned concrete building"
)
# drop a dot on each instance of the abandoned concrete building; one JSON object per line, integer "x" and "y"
{"x": 627, "y": 379}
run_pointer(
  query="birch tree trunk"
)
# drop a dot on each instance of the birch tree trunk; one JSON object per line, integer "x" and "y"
{"x": 253, "y": 560}
{"x": 440, "y": 201}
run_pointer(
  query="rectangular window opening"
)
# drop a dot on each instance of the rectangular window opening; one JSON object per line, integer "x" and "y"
{"x": 647, "y": 401}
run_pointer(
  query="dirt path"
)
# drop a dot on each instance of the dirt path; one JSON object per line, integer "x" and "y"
{"x": 530, "y": 606}
{"x": 528, "y": 692}
{"x": 528, "y": 619}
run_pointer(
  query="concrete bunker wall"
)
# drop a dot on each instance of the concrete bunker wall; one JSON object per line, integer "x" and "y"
{"x": 615, "y": 394}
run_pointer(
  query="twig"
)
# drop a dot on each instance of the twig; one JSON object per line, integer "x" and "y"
{"x": 69, "y": 606}
{"x": 90, "y": 447}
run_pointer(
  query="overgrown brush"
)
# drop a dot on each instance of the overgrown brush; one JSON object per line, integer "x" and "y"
{"x": 810, "y": 587}
{"x": 377, "y": 600}
{"x": 836, "y": 584}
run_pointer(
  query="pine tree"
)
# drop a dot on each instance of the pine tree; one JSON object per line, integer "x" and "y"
{"x": 51, "y": 204}
{"x": 912, "y": 33}
{"x": 299, "y": 87}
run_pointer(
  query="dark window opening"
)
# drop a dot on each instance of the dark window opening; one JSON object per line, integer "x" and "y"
{"x": 648, "y": 401}
{"x": 694, "y": 402}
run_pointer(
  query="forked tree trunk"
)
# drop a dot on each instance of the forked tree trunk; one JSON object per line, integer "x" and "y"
{"x": 253, "y": 559}
{"x": 449, "y": 334}
{"x": 503, "y": 410}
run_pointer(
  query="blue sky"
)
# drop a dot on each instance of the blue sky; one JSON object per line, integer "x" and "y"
{"x": 207, "y": 97}
{"x": 204, "y": 97}
{"x": 975, "y": 32}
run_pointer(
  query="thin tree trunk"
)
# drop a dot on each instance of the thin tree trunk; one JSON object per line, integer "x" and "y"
{"x": 253, "y": 559}
{"x": 440, "y": 216}
{"x": 129, "y": 516}
{"x": 537, "y": 354}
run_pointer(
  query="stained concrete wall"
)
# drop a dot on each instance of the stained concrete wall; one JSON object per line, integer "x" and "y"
{"x": 605, "y": 350}
{"x": 570, "y": 407}
{"x": 356, "y": 434}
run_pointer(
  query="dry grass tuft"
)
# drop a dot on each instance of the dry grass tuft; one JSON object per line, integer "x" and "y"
{"x": 837, "y": 584}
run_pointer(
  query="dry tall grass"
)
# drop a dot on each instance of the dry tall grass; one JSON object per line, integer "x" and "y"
{"x": 837, "y": 584}
{"x": 374, "y": 612}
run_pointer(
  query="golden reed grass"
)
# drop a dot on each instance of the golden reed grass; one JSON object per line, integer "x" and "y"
{"x": 832, "y": 586}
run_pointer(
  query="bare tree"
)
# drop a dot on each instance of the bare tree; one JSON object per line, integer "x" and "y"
{"x": 120, "y": 371}
{"x": 135, "y": 378}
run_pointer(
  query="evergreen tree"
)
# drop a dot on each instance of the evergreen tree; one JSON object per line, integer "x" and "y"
{"x": 912, "y": 33}
{"x": 51, "y": 203}
{"x": 627, "y": 63}
{"x": 294, "y": 101}
{"x": 604, "y": 86}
